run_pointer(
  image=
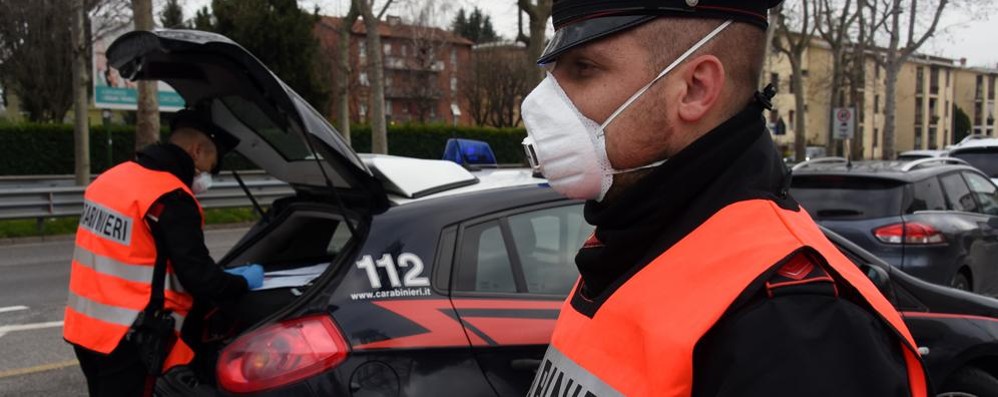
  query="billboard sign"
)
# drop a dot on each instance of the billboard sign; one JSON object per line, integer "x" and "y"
{"x": 111, "y": 91}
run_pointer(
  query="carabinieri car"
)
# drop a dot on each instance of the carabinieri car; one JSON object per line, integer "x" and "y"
{"x": 390, "y": 276}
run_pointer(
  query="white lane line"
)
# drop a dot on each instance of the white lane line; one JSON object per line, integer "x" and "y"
{"x": 27, "y": 327}
{"x": 12, "y": 309}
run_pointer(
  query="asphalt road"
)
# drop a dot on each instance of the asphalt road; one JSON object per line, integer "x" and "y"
{"x": 34, "y": 360}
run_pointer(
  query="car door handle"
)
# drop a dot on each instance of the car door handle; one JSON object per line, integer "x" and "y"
{"x": 525, "y": 364}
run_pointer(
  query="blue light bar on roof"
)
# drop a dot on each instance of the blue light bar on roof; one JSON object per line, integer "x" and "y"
{"x": 469, "y": 152}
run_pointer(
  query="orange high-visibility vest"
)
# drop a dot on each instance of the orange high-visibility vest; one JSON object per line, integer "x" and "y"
{"x": 111, "y": 277}
{"x": 640, "y": 342}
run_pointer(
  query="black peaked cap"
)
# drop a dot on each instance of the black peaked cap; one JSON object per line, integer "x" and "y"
{"x": 577, "y": 22}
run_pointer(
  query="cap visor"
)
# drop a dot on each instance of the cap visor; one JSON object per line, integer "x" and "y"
{"x": 583, "y": 32}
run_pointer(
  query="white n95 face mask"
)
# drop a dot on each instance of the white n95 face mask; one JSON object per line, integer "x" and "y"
{"x": 568, "y": 148}
{"x": 201, "y": 183}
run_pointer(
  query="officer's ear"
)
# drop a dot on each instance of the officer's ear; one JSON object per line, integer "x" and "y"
{"x": 703, "y": 79}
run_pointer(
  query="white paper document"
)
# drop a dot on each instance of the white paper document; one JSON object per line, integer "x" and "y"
{"x": 292, "y": 277}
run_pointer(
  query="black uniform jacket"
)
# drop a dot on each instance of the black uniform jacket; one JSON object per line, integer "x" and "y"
{"x": 801, "y": 341}
{"x": 178, "y": 225}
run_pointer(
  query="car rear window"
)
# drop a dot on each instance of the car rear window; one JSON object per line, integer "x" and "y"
{"x": 984, "y": 159}
{"x": 846, "y": 197}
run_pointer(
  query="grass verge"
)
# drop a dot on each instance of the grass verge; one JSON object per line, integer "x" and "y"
{"x": 67, "y": 225}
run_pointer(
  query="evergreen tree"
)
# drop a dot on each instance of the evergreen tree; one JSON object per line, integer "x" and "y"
{"x": 280, "y": 34}
{"x": 476, "y": 26}
{"x": 202, "y": 20}
{"x": 172, "y": 15}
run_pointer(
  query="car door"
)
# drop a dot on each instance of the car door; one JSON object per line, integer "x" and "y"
{"x": 986, "y": 194}
{"x": 966, "y": 236}
{"x": 513, "y": 271}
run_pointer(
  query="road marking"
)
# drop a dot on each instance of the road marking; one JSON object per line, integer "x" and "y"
{"x": 38, "y": 368}
{"x": 12, "y": 309}
{"x": 26, "y": 327}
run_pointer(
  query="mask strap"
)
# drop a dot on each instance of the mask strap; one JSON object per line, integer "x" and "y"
{"x": 665, "y": 71}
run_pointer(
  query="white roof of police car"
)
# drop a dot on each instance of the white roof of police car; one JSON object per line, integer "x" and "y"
{"x": 405, "y": 178}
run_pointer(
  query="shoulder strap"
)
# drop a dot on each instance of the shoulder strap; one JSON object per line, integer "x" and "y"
{"x": 156, "y": 298}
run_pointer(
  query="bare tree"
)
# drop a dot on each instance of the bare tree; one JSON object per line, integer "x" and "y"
{"x": 376, "y": 71}
{"x": 496, "y": 82}
{"x": 346, "y": 71}
{"x": 897, "y": 54}
{"x": 834, "y": 21}
{"x": 427, "y": 43}
{"x": 793, "y": 45}
{"x": 538, "y": 11}
{"x": 81, "y": 129}
{"x": 147, "y": 115}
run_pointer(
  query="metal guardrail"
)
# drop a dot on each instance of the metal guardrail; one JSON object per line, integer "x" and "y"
{"x": 47, "y": 202}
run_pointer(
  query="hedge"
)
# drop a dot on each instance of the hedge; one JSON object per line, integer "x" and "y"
{"x": 46, "y": 149}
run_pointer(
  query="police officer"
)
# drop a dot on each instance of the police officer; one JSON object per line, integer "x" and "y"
{"x": 703, "y": 277}
{"x": 136, "y": 214}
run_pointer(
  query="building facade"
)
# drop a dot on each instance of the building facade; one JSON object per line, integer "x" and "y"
{"x": 928, "y": 87}
{"x": 422, "y": 67}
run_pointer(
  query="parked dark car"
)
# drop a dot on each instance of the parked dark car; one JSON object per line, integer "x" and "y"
{"x": 936, "y": 219}
{"x": 981, "y": 152}
{"x": 390, "y": 276}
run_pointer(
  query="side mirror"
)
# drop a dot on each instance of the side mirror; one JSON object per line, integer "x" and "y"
{"x": 879, "y": 277}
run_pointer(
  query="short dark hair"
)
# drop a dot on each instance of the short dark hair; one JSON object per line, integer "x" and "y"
{"x": 193, "y": 119}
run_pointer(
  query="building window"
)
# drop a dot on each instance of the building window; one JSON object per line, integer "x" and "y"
{"x": 793, "y": 121}
{"x": 991, "y": 88}
{"x": 405, "y": 50}
{"x": 919, "y": 115}
{"x": 876, "y": 70}
{"x": 979, "y": 93}
{"x": 388, "y": 48}
{"x": 932, "y": 138}
{"x": 947, "y": 77}
{"x": 918, "y": 139}
{"x": 790, "y": 86}
{"x": 945, "y": 137}
{"x": 876, "y": 137}
{"x": 362, "y": 78}
{"x": 774, "y": 80}
{"x": 453, "y": 58}
{"x": 362, "y": 109}
{"x": 453, "y": 84}
{"x": 362, "y": 50}
{"x": 934, "y": 80}
{"x": 388, "y": 107}
{"x": 876, "y": 104}
{"x": 919, "y": 80}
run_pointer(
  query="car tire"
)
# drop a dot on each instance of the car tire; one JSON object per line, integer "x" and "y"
{"x": 961, "y": 282}
{"x": 970, "y": 382}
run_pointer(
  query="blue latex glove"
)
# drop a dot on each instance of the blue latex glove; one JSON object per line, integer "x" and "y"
{"x": 252, "y": 273}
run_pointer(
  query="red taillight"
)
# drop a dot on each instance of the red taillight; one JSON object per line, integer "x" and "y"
{"x": 909, "y": 233}
{"x": 280, "y": 354}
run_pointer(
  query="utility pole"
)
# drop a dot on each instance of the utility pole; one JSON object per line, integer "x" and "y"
{"x": 81, "y": 131}
{"x": 147, "y": 115}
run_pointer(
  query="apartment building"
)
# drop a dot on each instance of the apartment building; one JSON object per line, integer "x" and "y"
{"x": 975, "y": 95}
{"x": 422, "y": 67}
{"x": 928, "y": 87}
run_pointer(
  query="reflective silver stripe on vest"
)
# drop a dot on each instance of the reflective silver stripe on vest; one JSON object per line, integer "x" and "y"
{"x": 137, "y": 273}
{"x": 111, "y": 314}
{"x": 560, "y": 376}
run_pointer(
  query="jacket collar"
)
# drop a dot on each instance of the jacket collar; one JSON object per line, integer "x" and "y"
{"x": 169, "y": 158}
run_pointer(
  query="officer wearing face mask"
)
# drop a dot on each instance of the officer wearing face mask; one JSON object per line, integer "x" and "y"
{"x": 703, "y": 277}
{"x": 142, "y": 217}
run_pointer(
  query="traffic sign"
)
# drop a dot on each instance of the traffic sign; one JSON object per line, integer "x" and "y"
{"x": 844, "y": 125}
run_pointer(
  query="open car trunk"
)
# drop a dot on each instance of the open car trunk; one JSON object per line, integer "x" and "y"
{"x": 303, "y": 239}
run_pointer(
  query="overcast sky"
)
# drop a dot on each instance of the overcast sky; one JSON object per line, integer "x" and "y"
{"x": 965, "y": 33}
